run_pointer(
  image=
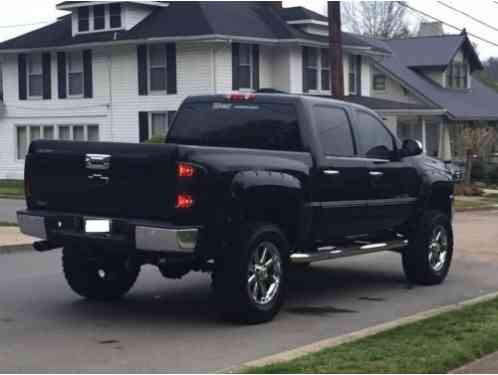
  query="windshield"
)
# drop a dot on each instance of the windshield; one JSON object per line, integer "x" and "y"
{"x": 240, "y": 125}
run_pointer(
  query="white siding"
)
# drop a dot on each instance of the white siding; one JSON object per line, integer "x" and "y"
{"x": 133, "y": 14}
{"x": 281, "y": 72}
{"x": 394, "y": 91}
{"x": 116, "y": 114}
{"x": 296, "y": 70}
{"x": 265, "y": 67}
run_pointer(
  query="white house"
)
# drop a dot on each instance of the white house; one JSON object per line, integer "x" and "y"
{"x": 118, "y": 71}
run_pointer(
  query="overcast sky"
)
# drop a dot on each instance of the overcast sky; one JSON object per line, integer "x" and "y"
{"x": 40, "y": 12}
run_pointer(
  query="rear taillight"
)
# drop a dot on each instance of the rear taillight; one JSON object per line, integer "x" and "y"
{"x": 185, "y": 170}
{"x": 184, "y": 201}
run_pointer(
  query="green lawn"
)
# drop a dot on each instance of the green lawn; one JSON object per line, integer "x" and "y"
{"x": 435, "y": 345}
{"x": 11, "y": 189}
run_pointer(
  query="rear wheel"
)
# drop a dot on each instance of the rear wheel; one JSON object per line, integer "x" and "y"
{"x": 427, "y": 260}
{"x": 249, "y": 280}
{"x": 98, "y": 277}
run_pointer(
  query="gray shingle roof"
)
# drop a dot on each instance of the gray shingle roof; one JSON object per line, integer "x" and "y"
{"x": 432, "y": 51}
{"x": 191, "y": 18}
{"x": 478, "y": 103}
{"x": 301, "y": 13}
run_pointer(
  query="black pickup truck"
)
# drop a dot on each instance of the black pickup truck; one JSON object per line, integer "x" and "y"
{"x": 247, "y": 187}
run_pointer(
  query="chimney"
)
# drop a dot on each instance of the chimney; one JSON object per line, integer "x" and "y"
{"x": 431, "y": 29}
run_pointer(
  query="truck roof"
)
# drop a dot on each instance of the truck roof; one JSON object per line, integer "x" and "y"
{"x": 275, "y": 97}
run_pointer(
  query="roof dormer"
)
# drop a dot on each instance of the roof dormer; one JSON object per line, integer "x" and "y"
{"x": 101, "y": 16}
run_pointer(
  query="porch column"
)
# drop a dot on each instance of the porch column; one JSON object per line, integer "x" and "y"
{"x": 444, "y": 143}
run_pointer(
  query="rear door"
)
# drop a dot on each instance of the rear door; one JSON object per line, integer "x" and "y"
{"x": 340, "y": 179}
{"x": 392, "y": 181}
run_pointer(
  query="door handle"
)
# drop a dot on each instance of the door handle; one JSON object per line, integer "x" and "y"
{"x": 331, "y": 172}
{"x": 376, "y": 173}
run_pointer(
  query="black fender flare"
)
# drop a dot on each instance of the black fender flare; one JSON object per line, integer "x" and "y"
{"x": 278, "y": 195}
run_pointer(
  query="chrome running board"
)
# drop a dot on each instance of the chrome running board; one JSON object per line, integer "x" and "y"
{"x": 331, "y": 252}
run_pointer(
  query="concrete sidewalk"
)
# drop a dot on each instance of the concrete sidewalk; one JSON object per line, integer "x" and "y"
{"x": 486, "y": 365}
{"x": 12, "y": 240}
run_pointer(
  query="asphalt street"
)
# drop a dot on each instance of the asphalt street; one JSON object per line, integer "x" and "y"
{"x": 8, "y": 208}
{"x": 169, "y": 325}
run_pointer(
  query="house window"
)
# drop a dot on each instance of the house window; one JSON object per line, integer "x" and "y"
{"x": 379, "y": 82}
{"x": 99, "y": 17}
{"x": 75, "y": 73}
{"x": 317, "y": 70}
{"x": 115, "y": 15}
{"x": 353, "y": 68}
{"x": 325, "y": 66}
{"x": 83, "y": 19}
{"x": 312, "y": 69}
{"x": 457, "y": 75}
{"x": 245, "y": 66}
{"x": 35, "y": 76}
{"x": 25, "y": 134}
{"x": 158, "y": 124}
{"x": 157, "y": 68}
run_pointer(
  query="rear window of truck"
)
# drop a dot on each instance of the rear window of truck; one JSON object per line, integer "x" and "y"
{"x": 272, "y": 126}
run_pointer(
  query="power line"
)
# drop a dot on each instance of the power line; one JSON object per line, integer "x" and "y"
{"x": 468, "y": 15}
{"x": 24, "y": 24}
{"x": 447, "y": 24}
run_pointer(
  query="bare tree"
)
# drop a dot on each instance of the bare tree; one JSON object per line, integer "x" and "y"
{"x": 477, "y": 137}
{"x": 381, "y": 19}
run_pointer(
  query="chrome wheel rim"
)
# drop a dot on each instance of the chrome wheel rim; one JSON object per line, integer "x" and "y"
{"x": 264, "y": 274}
{"x": 438, "y": 248}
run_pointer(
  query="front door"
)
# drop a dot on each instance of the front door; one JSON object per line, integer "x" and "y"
{"x": 392, "y": 182}
{"x": 340, "y": 181}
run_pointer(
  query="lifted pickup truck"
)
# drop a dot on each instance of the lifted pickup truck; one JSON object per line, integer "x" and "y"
{"x": 246, "y": 187}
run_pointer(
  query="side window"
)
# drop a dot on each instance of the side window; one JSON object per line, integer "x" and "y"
{"x": 375, "y": 141}
{"x": 334, "y": 131}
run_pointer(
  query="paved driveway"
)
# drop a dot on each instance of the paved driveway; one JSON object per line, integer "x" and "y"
{"x": 8, "y": 208}
{"x": 171, "y": 325}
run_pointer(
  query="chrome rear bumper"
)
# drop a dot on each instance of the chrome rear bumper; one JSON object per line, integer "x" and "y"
{"x": 139, "y": 235}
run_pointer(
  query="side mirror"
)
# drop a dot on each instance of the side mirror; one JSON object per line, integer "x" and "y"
{"x": 411, "y": 147}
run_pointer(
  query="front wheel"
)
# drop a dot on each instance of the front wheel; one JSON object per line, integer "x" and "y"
{"x": 427, "y": 259}
{"x": 98, "y": 276}
{"x": 249, "y": 279}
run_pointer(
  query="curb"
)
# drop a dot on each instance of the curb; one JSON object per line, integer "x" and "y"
{"x": 11, "y": 249}
{"x": 333, "y": 342}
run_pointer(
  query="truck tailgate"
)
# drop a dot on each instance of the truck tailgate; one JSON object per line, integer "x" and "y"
{"x": 115, "y": 179}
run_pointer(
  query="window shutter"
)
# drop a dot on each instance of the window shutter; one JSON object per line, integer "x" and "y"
{"x": 358, "y": 75}
{"x": 61, "y": 74}
{"x": 171, "y": 68}
{"x": 142, "y": 69}
{"x": 143, "y": 126}
{"x": 305, "y": 64}
{"x": 21, "y": 62}
{"x": 87, "y": 74}
{"x": 47, "y": 75}
{"x": 235, "y": 66}
{"x": 255, "y": 62}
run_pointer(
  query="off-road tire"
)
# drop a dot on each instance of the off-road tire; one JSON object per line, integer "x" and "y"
{"x": 230, "y": 278}
{"x": 415, "y": 257}
{"x": 98, "y": 277}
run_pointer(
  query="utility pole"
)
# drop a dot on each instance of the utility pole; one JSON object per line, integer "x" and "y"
{"x": 335, "y": 50}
